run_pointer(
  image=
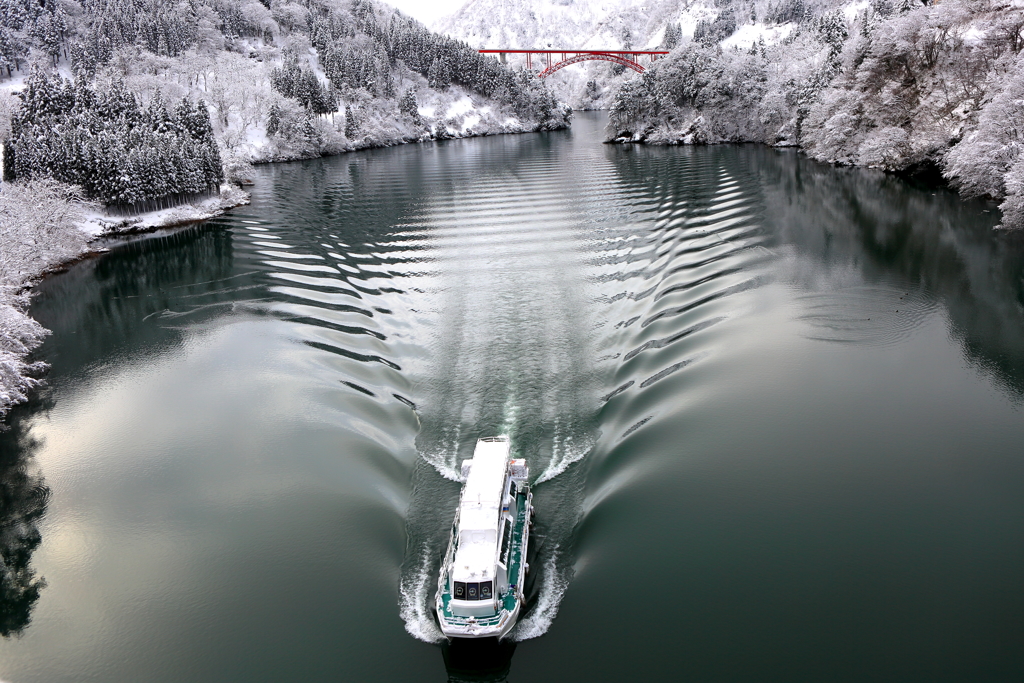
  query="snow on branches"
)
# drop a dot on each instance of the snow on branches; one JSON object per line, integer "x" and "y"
{"x": 104, "y": 141}
{"x": 38, "y": 230}
{"x": 899, "y": 86}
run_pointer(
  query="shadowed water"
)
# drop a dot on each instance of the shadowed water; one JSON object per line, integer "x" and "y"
{"x": 772, "y": 410}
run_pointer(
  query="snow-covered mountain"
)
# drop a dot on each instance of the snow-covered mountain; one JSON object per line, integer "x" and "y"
{"x": 579, "y": 24}
{"x": 630, "y": 24}
{"x": 592, "y": 24}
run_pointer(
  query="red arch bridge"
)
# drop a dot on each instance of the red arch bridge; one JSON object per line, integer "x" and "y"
{"x": 627, "y": 58}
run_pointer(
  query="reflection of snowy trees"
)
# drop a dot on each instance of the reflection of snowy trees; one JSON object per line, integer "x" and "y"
{"x": 872, "y": 223}
{"x": 23, "y": 498}
{"x": 899, "y": 86}
{"x": 168, "y": 99}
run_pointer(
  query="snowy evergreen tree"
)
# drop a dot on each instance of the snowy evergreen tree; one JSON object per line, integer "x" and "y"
{"x": 106, "y": 143}
{"x": 439, "y": 75}
{"x": 351, "y": 124}
{"x": 407, "y": 105}
{"x": 897, "y": 88}
{"x": 673, "y": 34}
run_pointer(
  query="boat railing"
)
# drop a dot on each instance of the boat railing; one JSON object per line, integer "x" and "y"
{"x": 449, "y": 556}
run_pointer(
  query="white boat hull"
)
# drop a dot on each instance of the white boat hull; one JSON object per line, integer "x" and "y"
{"x": 480, "y": 585}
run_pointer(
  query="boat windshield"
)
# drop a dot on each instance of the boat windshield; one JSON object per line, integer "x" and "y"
{"x": 473, "y": 591}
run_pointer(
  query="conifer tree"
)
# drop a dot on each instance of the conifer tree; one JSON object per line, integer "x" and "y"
{"x": 351, "y": 123}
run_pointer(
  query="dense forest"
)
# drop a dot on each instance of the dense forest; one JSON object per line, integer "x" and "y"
{"x": 105, "y": 143}
{"x": 891, "y": 84}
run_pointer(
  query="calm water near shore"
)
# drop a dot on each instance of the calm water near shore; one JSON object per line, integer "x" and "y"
{"x": 774, "y": 411}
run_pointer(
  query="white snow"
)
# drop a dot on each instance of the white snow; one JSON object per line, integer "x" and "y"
{"x": 459, "y": 107}
{"x": 974, "y": 35}
{"x": 751, "y": 33}
{"x": 656, "y": 39}
{"x": 853, "y": 9}
{"x": 697, "y": 13}
{"x": 14, "y": 84}
{"x": 97, "y": 223}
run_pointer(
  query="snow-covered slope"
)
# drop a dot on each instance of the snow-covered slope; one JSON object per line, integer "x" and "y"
{"x": 577, "y": 24}
{"x": 592, "y": 24}
{"x": 889, "y": 84}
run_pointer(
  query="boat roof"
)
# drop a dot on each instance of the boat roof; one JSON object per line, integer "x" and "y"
{"x": 479, "y": 510}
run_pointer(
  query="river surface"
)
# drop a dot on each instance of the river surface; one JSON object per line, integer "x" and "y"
{"x": 774, "y": 411}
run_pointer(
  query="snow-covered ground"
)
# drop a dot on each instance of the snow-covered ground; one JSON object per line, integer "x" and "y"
{"x": 97, "y": 223}
{"x": 757, "y": 33}
{"x": 241, "y": 59}
{"x": 39, "y": 228}
{"x": 832, "y": 79}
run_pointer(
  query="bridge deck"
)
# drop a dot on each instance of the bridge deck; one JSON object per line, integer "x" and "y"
{"x": 628, "y": 58}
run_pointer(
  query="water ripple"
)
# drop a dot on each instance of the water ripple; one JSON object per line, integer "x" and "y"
{"x": 511, "y": 298}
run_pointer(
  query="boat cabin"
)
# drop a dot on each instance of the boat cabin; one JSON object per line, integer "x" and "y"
{"x": 482, "y": 534}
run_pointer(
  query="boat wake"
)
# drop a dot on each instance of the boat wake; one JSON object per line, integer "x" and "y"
{"x": 565, "y": 326}
{"x": 566, "y": 451}
{"x": 444, "y": 457}
{"x": 416, "y": 594}
{"x": 554, "y": 581}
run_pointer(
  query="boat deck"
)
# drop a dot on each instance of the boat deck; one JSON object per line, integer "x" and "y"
{"x": 516, "y": 564}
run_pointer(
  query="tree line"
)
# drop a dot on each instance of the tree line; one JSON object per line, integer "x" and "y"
{"x": 902, "y": 86}
{"x": 117, "y": 150}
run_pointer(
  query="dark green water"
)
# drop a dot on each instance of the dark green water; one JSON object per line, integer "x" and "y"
{"x": 775, "y": 411}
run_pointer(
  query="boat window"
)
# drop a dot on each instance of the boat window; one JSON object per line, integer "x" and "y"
{"x": 512, "y": 489}
{"x": 473, "y": 591}
{"x": 506, "y": 542}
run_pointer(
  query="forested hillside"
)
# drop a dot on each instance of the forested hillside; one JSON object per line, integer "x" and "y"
{"x": 142, "y": 104}
{"x": 891, "y": 84}
{"x": 580, "y": 24}
{"x": 269, "y": 80}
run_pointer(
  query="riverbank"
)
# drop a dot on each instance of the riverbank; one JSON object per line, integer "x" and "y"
{"x": 814, "y": 362}
{"x": 44, "y": 227}
{"x": 893, "y": 88}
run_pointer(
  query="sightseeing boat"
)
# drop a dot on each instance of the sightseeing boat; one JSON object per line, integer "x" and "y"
{"x": 480, "y": 585}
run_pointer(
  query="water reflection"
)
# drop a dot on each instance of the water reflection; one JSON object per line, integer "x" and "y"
{"x": 23, "y": 499}
{"x": 478, "y": 661}
{"x": 877, "y": 255}
{"x": 296, "y": 383}
{"x": 137, "y": 299}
